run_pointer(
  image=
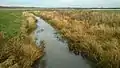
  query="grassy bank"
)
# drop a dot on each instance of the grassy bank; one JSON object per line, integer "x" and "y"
{"x": 17, "y": 46}
{"x": 93, "y": 34}
{"x": 10, "y": 22}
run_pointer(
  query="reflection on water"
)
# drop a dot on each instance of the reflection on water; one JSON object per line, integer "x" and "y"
{"x": 40, "y": 63}
{"x": 105, "y": 9}
{"x": 57, "y": 53}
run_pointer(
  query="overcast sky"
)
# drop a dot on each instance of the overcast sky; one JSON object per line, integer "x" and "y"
{"x": 62, "y": 3}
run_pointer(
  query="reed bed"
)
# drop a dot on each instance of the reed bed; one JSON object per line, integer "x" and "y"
{"x": 95, "y": 34}
{"x": 20, "y": 50}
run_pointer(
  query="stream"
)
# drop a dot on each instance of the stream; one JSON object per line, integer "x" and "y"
{"x": 57, "y": 54}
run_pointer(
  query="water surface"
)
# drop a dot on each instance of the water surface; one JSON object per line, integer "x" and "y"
{"x": 57, "y": 53}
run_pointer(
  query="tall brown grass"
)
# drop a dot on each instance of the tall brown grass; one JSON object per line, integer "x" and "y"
{"x": 94, "y": 34}
{"x": 20, "y": 51}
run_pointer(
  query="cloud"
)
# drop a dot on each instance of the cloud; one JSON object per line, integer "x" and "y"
{"x": 67, "y": 1}
{"x": 63, "y": 3}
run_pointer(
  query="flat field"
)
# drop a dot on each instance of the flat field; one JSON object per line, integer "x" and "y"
{"x": 17, "y": 49}
{"x": 10, "y": 22}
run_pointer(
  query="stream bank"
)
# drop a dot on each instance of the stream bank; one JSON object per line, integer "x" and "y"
{"x": 57, "y": 54}
{"x": 20, "y": 51}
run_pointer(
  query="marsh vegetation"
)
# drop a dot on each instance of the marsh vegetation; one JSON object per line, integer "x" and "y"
{"x": 17, "y": 48}
{"x": 95, "y": 34}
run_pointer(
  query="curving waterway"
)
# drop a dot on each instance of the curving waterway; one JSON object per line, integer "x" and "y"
{"x": 57, "y": 54}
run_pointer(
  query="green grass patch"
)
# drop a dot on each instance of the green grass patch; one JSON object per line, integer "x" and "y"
{"x": 10, "y": 22}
